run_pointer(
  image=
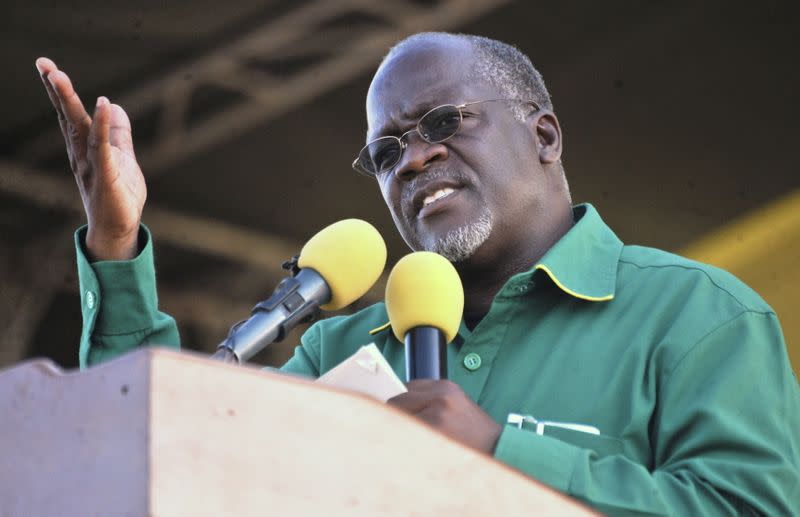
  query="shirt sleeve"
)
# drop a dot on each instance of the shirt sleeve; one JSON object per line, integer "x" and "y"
{"x": 305, "y": 361}
{"x": 119, "y": 304}
{"x": 724, "y": 436}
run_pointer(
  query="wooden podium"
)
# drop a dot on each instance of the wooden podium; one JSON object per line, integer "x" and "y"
{"x": 161, "y": 433}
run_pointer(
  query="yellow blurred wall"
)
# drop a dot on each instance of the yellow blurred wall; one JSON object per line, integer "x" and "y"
{"x": 763, "y": 249}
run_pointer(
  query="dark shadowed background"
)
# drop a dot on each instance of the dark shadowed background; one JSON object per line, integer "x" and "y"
{"x": 680, "y": 123}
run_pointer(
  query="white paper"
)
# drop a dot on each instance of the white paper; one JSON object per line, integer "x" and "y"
{"x": 366, "y": 372}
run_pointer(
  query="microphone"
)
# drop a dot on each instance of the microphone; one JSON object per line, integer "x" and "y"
{"x": 335, "y": 267}
{"x": 425, "y": 302}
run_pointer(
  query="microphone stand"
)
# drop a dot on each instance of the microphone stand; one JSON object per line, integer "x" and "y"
{"x": 294, "y": 301}
{"x": 225, "y": 355}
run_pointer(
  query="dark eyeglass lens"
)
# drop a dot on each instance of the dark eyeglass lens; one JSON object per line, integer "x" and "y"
{"x": 440, "y": 124}
{"x": 383, "y": 153}
{"x": 380, "y": 155}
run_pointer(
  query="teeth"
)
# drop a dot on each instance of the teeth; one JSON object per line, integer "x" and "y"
{"x": 439, "y": 194}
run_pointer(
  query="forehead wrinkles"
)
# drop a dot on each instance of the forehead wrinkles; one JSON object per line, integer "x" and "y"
{"x": 412, "y": 81}
{"x": 397, "y": 118}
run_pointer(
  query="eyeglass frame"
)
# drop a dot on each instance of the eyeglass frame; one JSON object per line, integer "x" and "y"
{"x": 403, "y": 144}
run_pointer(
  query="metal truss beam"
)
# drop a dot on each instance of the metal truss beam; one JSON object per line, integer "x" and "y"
{"x": 32, "y": 275}
{"x": 275, "y": 68}
{"x": 203, "y": 234}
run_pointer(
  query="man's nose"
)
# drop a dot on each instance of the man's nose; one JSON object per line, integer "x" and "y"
{"x": 417, "y": 156}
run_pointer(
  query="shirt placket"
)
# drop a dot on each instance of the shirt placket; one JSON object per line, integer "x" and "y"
{"x": 471, "y": 365}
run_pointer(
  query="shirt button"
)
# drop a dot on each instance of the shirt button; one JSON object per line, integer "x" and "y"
{"x": 90, "y": 300}
{"x": 472, "y": 361}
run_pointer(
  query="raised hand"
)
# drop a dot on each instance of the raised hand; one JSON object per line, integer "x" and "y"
{"x": 101, "y": 156}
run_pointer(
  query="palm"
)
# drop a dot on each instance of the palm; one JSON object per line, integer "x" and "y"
{"x": 100, "y": 151}
{"x": 116, "y": 198}
{"x": 130, "y": 182}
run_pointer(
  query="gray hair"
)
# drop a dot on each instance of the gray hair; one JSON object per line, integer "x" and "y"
{"x": 499, "y": 64}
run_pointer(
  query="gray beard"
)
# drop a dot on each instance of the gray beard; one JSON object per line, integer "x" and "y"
{"x": 460, "y": 243}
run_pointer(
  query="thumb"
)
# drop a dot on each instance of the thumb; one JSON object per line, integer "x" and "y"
{"x": 120, "y": 129}
{"x": 99, "y": 152}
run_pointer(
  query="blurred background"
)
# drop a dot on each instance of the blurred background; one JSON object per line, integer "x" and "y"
{"x": 680, "y": 122}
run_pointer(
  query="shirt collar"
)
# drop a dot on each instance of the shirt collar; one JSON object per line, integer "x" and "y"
{"x": 583, "y": 263}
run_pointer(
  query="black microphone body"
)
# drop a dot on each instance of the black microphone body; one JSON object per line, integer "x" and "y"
{"x": 426, "y": 355}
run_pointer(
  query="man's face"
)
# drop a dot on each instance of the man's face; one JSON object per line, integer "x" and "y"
{"x": 472, "y": 195}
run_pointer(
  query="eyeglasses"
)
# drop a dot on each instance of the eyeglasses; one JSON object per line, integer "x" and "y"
{"x": 435, "y": 126}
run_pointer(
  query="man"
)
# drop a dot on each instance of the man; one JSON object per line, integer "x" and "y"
{"x": 566, "y": 331}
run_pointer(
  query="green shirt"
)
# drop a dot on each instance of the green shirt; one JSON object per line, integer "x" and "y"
{"x": 680, "y": 366}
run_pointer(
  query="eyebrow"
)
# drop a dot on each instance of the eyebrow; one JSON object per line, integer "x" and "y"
{"x": 422, "y": 108}
{"x": 418, "y": 111}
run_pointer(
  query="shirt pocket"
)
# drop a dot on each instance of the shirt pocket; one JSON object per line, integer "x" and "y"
{"x": 602, "y": 444}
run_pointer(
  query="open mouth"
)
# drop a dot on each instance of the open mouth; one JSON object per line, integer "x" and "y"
{"x": 433, "y": 196}
{"x": 437, "y": 201}
{"x": 436, "y": 196}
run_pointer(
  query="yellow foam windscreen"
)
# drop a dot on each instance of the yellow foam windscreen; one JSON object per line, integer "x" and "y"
{"x": 350, "y": 255}
{"x": 424, "y": 289}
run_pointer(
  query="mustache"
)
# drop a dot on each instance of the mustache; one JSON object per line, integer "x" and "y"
{"x": 432, "y": 174}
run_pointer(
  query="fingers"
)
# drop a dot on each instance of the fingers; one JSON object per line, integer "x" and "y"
{"x": 410, "y": 402}
{"x": 433, "y": 415}
{"x": 110, "y": 128}
{"x": 421, "y": 394}
{"x": 71, "y": 106}
{"x": 72, "y": 116}
{"x": 426, "y": 384}
{"x": 120, "y": 129}
{"x": 45, "y": 68}
{"x": 45, "y": 65}
{"x": 98, "y": 140}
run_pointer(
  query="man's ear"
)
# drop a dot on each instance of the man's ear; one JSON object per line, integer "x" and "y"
{"x": 547, "y": 136}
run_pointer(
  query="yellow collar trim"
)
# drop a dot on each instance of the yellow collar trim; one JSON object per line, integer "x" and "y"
{"x": 381, "y": 328}
{"x": 552, "y": 277}
{"x": 570, "y": 291}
